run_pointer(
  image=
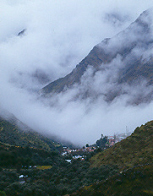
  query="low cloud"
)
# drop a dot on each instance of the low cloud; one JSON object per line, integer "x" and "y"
{"x": 58, "y": 36}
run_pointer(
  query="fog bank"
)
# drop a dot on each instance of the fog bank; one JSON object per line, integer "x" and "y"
{"x": 58, "y": 36}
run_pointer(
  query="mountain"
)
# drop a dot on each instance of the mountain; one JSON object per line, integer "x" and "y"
{"x": 11, "y": 133}
{"x": 135, "y": 150}
{"x": 133, "y": 182}
{"x": 121, "y": 63}
{"x": 133, "y": 157}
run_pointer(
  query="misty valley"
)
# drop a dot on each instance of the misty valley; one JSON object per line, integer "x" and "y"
{"x": 32, "y": 164}
{"x": 76, "y": 98}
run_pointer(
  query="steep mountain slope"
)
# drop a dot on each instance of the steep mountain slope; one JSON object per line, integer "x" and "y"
{"x": 95, "y": 58}
{"x": 136, "y": 149}
{"x": 123, "y": 61}
{"x": 133, "y": 182}
{"x": 11, "y": 134}
{"x": 133, "y": 156}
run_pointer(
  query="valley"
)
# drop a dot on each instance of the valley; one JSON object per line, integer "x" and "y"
{"x": 76, "y": 98}
{"x": 103, "y": 170}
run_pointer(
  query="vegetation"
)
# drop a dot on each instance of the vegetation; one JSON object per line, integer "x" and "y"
{"x": 136, "y": 149}
{"x": 63, "y": 178}
{"x": 102, "y": 142}
{"x": 45, "y": 171}
{"x": 42, "y": 167}
{"x": 133, "y": 157}
{"x": 123, "y": 169}
{"x": 23, "y": 157}
{"x": 11, "y": 134}
{"x": 135, "y": 181}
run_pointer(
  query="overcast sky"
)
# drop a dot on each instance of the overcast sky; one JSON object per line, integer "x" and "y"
{"x": 59, "y": 34}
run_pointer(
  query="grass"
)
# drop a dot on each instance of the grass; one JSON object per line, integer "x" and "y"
{"x": 43, "y": 167}
{"x": 137, "y": 149}
{"x": 135, "y": 181}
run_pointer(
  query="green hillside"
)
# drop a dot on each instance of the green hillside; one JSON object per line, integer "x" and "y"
{"x": 135, "y": 150}
{"x": 121, "y": 170}
{"x": 137, "y": 181}
{"x": 134, "y": 158}
{"x": 17, "y": 157}
{"x": 11, "y": 134}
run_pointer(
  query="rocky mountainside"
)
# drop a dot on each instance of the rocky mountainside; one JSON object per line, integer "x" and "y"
{"x": 115, "y": 66}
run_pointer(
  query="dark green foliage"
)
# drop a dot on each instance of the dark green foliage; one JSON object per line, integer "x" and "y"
{"x": 11, "y": 134}
{"x": 2, "y": 193}
{"x": 133, "y": 182}
{"x": 124, "y": 169}
{"x": 102, "y": 142}
{"x": 63, "y": 178}
{"x": 133, "y": 156}
{"x": 17, "y": 157}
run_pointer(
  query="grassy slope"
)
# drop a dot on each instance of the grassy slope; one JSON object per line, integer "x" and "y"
{"x": 11, "y": 134}
{"x": 135, "y": 150}
{"x": 133, "y": 156}
{"x": 132, "y": 182}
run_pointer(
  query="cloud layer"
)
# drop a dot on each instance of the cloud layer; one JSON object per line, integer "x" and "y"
{"x": 58, "y": 36}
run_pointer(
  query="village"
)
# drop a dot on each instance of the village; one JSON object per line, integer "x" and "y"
{"x": 83, "y": 153}
{"x": 103, "y": 143}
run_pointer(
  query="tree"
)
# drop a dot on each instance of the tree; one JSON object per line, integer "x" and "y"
{"x": 2, "y": 193}
{"x": 102, "y": 142}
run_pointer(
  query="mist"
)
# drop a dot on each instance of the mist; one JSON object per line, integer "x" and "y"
{"x": 57, "y": 36}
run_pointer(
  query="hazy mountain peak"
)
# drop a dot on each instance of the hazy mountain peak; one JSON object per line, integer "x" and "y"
{"x": 21, "y": 33}
{"x": 119, "y": 64}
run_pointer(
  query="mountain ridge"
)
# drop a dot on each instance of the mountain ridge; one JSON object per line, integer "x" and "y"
{"x": 11, "y": 134}
{"x": 134, "y": 150}
{"x": 126, "y": 53}
{"x": 133, "y": 157}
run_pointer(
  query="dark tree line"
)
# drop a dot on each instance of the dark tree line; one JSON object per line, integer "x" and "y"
{"x": 63, "y": 178}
